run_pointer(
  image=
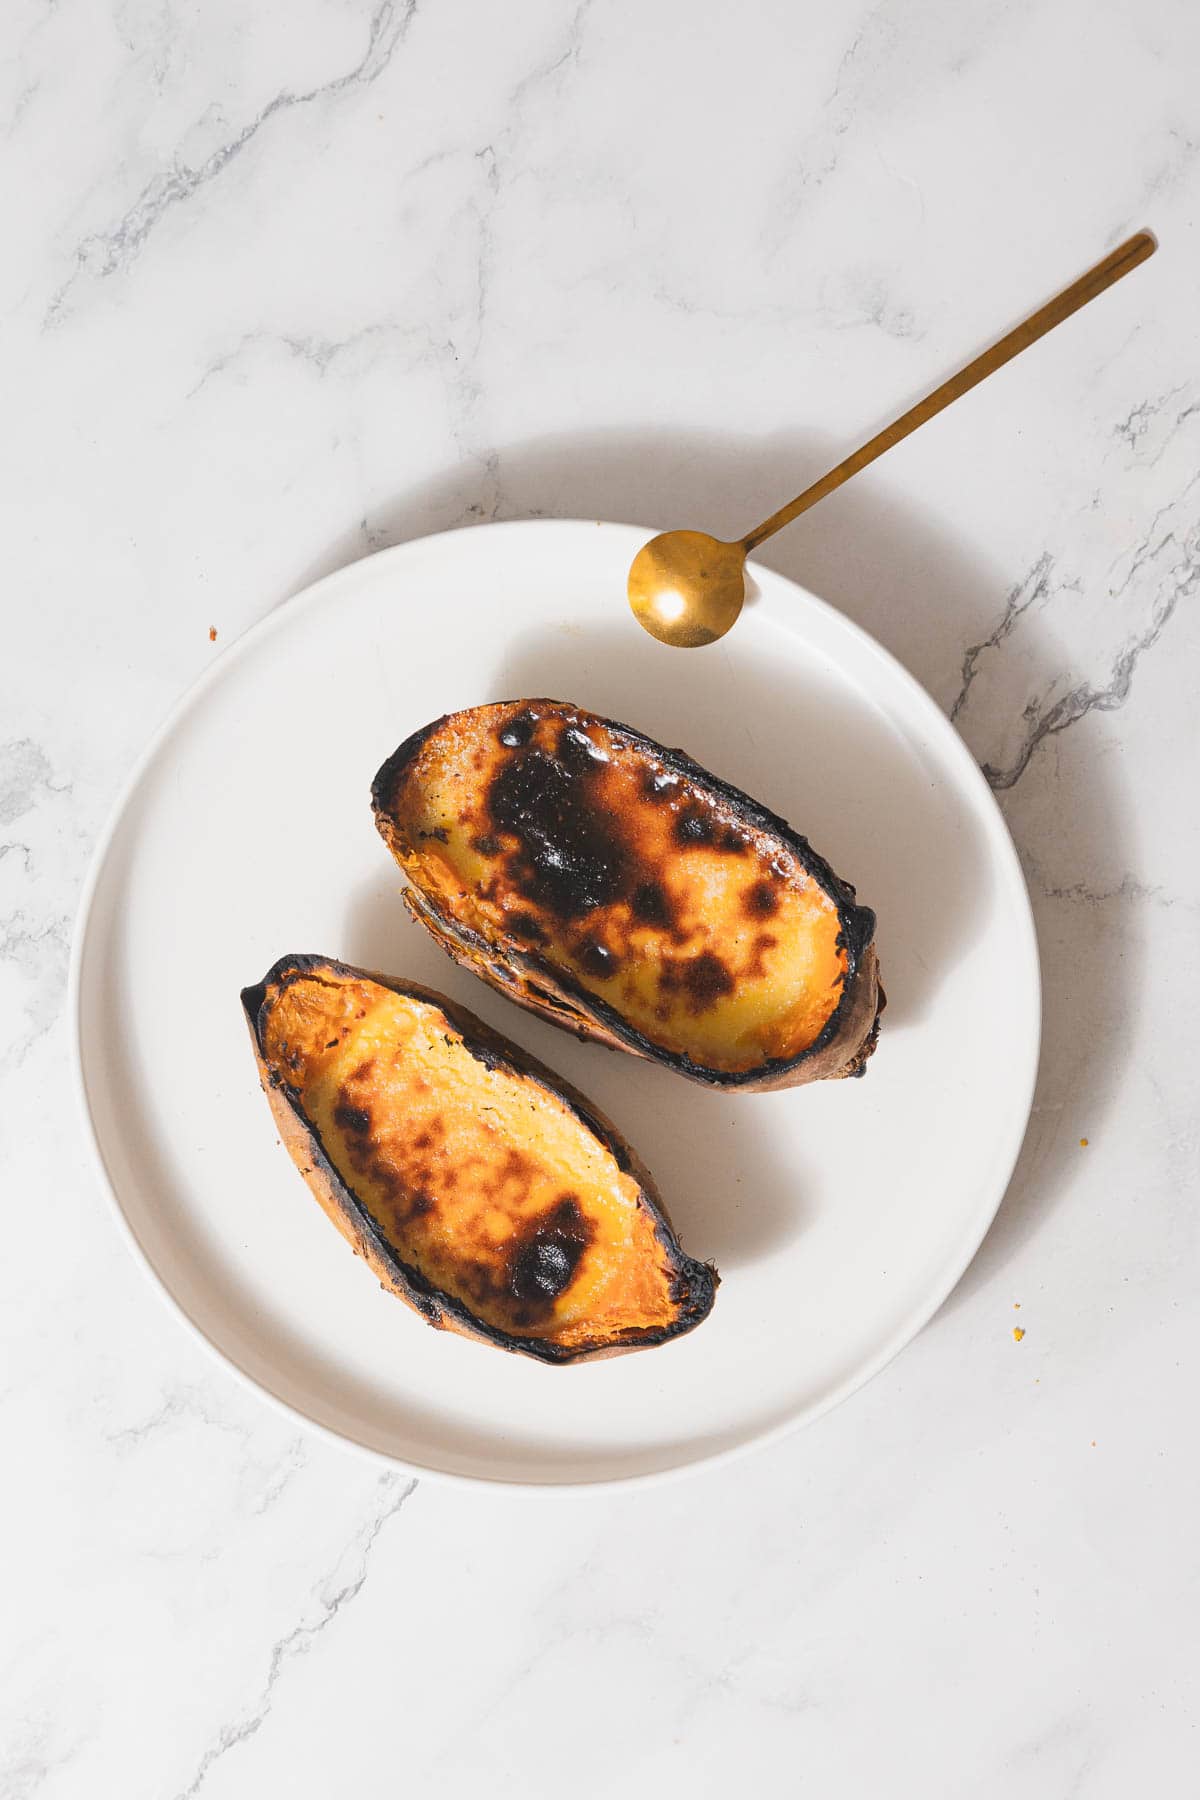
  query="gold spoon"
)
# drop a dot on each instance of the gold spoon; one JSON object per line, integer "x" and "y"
{"x": 687, "y": 588}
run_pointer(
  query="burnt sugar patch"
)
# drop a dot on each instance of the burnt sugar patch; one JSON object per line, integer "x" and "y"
{"x": 697, "y": 825}
{"x": 699, "y": 981}
{"x": 761, "y": 900}
{"x": 570, "y": 859}
{"x": 597, "y": 959}
{"x": 517, "y": 731}
{"x": 543, "y": 1259}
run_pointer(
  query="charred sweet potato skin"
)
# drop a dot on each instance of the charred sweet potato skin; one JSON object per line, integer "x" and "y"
{"x": 621, "y": 891}
{"x": 432, "y": 1162}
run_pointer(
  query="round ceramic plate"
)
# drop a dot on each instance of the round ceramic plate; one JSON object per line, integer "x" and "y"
{"x": 839, "y": 1215}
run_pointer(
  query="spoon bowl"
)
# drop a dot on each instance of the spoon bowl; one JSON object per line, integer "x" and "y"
{"x": 687, "y": 588}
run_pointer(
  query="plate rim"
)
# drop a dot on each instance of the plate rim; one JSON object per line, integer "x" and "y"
{"x": 914, "y": 1323}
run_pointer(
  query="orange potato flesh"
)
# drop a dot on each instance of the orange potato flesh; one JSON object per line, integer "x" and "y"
{"x": 702, "y": 931}
{"x": 481, "y": 1178}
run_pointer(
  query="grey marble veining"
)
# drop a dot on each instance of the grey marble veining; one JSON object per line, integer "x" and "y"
{"x": 286, "y": 284}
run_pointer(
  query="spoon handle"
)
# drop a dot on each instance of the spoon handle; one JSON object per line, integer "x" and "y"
{"x": 1119, "y": 262}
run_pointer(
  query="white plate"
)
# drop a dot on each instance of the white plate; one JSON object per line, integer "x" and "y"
{"x": 840, "y": 1215}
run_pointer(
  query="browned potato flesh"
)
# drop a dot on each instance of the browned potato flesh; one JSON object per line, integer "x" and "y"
{"x": 623, "y": 891}
{"x": 480, "y": 1189}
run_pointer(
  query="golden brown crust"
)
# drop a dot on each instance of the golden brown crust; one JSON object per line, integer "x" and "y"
{"x": 688, "y": 1284}
{"x": 844, "y": 1055}
{"x": 524, "y": 877}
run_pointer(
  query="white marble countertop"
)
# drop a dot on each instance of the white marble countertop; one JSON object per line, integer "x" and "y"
{"x": 287, "y": 282}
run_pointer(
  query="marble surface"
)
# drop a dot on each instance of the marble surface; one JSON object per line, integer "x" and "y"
{"x": 285, "y": 283}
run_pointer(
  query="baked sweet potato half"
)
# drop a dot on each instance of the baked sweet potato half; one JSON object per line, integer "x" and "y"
{"x": 479, "y": 1188}
{"x": 621, "y": 891}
